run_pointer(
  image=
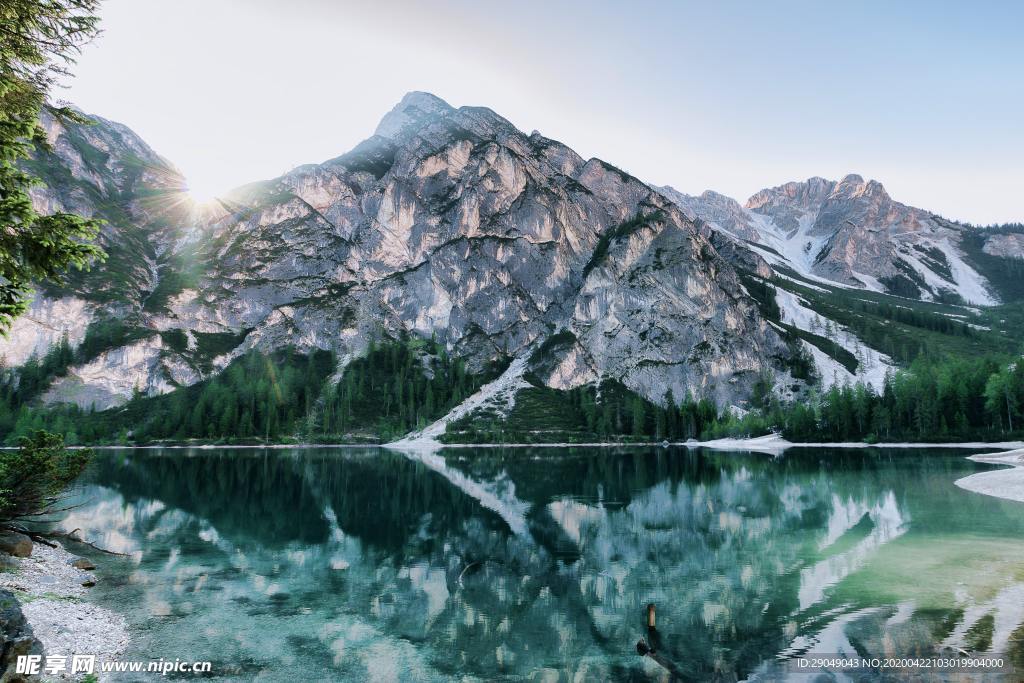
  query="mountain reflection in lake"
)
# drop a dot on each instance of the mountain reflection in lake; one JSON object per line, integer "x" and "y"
{"x": 366, "y": 564}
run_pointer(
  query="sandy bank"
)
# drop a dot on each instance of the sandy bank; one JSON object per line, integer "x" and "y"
{"x": 1005, "y": 482}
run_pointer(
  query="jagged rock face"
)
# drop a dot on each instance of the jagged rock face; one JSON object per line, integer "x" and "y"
{"x": 716, "y": 209}
{"x": 106, "y": 171}
{"x": 861, "y": 227}
{"x": 43, "y": 325}
{"x": 668, "y": 310}
{"x": 105, "y": 160}
{"x": 1006, "y": 246}
{"x": 105, "y": 381}
{"x": 788, "y": 204}
{"x": 447, "y": 222}
{"x": 850, "y": 232}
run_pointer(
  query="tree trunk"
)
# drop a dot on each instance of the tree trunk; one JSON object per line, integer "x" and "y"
{"x": 1009, "y": 413}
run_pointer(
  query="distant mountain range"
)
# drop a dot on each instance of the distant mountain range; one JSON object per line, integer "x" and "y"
{"x": 853, "y": 233}
{"x": 449, "y": 223}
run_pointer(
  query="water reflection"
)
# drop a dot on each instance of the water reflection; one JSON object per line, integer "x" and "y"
{"x": 864, "y": 525}
{"x": 367, "y": 564}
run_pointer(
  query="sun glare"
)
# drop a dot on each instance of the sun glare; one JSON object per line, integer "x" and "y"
{"x": 204, "y": 202}
{"x": 202, "y": 196}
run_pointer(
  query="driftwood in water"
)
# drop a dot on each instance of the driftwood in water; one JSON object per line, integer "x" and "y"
{"x": 42, "y": 536}
{"x": 38, "y": 538}
{"x": 652, "y": 645}
{"x": 77, "y": 539}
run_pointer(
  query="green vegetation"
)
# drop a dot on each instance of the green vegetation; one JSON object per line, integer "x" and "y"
{"x": 904, "y": 329}
{"x": 606, "y": 412}
{"x": 908, "y": 282}
{"x": 1005, "y": 321}
{"x": 828, "y": 346}
{"x": 36, "y": 374}
{"x": 32, "y": 477}
{"x": 955, "y": 398}
{"x": 397, "y": 387}
{"x": 107, "y": 333}
{"x": 180, "y": 272}
{"x": 979, "y": 636}
{"x": 936, "y": 260}
{"x": 32, "y": 378}
{"x": 38, "y": 37}
{"x": 562, "y": 337}
{"x": 211, "y": 345}
{"x": 257, "y": 397}
{"x": 1005, "y": 274}
{"x": 799, "y": 365}
{"x": 402, "y": 385}
{"x": 950, "y": 399}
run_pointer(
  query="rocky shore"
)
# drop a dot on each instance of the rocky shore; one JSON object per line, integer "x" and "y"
{"x": 51, "y": 585}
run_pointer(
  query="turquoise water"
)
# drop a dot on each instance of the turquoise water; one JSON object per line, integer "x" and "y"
{"x": 536, "y": 564}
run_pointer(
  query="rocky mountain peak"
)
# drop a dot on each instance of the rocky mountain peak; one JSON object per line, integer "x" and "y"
{"x": 854, "y": 186}
{"x": 712, "y": 196}
{"x": 415, "y": 109}
{"x": 722, "y": 204}
{"x": 712, "y": 207}
{"x": 449, "y": 224}
{"x": 851, "y": 232}
{"x": 803, "y": 195}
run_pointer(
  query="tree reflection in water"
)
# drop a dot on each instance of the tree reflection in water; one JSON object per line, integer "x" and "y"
{"x": 365, "y": 563}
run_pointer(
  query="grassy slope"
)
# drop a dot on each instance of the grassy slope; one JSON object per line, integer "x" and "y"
{"x": 926, "y": 327}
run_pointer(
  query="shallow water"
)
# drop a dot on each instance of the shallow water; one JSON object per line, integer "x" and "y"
{"x": 536, "y": 564}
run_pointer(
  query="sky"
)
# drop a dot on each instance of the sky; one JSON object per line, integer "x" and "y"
{"x": 926, "y": 97}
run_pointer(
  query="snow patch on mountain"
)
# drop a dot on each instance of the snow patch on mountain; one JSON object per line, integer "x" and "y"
{"x": 872, "y": 366}
{"x": 870, "y": 282}
{"x": 970, "y": 285}
{"x": 848, "y": 234}
{"x": 499, "y": 394}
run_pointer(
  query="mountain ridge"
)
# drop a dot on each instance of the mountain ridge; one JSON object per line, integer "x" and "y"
{"x": 453, "y": 224}
{"x": 851, "y": 232}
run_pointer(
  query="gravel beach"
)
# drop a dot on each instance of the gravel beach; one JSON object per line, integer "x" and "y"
{"x": 53, "y": 600}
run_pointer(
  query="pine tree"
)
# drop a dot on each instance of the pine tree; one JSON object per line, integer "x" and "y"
{"x": 38, "y": 40}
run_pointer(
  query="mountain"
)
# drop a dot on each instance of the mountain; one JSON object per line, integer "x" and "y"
{"x": 851, "y": 232}
{"x": 451, "y": 266}
{"x": 105, "y": 171}
{"x": 447, "y": 224}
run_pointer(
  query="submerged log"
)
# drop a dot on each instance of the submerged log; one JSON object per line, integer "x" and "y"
{"x": 652, "y": 645}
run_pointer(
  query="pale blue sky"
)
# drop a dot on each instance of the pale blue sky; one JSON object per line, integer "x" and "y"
{"x": 926, "y": 97}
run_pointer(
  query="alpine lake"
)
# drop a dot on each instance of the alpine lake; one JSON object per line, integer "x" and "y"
{"x": 537, "y": 564}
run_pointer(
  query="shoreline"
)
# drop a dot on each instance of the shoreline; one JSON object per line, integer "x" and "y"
{"x": 1005, "y": 482}
{"x": 54, "y": 603}
{"x": 770, "y": 443}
